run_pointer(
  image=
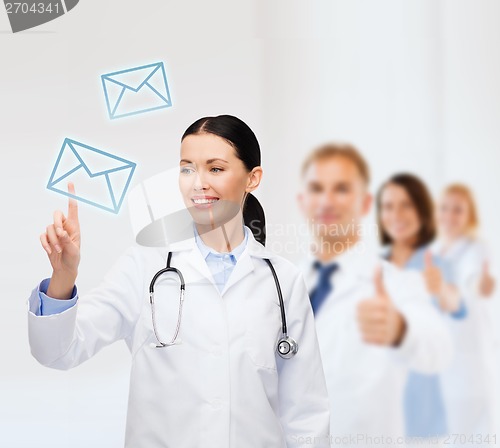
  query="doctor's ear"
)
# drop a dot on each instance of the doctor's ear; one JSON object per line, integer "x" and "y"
{"x": 300, "y": 201}
{"x": 254, "y": 178}
{"x": 367, "y": 203}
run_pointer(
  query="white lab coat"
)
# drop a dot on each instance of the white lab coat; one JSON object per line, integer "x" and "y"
{"x": 366, "y": 382}
{"x": 223, "y": 386}
{"x": 469, "y": 384}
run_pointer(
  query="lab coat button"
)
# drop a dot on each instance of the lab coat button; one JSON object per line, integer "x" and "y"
{"x": 216, "y": 403}
{"x": 216, "y": 352}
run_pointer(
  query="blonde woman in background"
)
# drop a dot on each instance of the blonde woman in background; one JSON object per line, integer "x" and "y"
{"x": 468, "y": 385}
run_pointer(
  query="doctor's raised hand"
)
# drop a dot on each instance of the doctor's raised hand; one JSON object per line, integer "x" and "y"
{"x": 61, "y": 241}
{"x": 446, "y": 294}
{"x": 486, "y": 281}
{"x": 432, "y": 275}
{"x": 379, "y": 320}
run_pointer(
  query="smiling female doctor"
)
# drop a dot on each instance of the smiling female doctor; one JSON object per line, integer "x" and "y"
{"x": 223, "y": 382}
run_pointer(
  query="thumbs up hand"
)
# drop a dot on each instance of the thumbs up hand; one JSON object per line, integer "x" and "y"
{"x": 379, "y": 320}
{"x": 486, "y": 281}
{"x": 432, "y": 275}
{"x": 447, "y": 295}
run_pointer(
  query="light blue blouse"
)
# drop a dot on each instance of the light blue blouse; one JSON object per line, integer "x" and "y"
{"x": 221, "y": 264}
{"x": 425, "y": 414}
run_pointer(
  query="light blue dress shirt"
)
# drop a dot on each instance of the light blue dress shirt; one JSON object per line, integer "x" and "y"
{"x": 425, "y": 414}
{"x": 48, "y": 305}
{"x": 220, "y": 264}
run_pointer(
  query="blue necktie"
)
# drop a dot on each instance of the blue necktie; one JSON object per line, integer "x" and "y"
{"x": 324, "y": 285}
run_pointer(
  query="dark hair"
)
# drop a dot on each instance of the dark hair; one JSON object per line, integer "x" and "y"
{"x": 243, "y": 140}
{"x": 422, "y": 201}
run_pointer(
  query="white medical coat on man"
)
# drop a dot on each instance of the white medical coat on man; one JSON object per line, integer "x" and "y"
{"x": 366, "y": 382}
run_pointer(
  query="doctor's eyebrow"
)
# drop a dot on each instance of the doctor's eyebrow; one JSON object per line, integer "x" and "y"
{"x": 209, "y": 161}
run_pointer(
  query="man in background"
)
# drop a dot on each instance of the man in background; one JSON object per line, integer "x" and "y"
{"x": 374, "y": 322}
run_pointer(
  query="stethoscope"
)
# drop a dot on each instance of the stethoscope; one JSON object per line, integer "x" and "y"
{"x": 286, "y": 347}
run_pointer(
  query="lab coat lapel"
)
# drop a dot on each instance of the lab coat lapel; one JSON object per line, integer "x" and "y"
{"x": 456, "y": 251}
{"x": 346, "y": 282}
{"x": 355, "y": 270}
{"x": 243, "y": 267}
{"x": 193, "y": 259}
{"x": 246, "y": 262}
{"x": 344, "y": 287}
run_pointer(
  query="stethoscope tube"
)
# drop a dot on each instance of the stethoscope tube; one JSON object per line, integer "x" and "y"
{"x": 286, "y": 347}
{"x": 280, "y": 297}
{"x": 181, "y": 301}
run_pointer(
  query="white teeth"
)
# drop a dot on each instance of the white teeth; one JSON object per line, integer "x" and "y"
{"x": 204, "y": 201}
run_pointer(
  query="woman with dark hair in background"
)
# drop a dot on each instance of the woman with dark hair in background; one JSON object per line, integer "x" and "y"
{"x": 405, "y": 214}
{"x": 224, "y": 379}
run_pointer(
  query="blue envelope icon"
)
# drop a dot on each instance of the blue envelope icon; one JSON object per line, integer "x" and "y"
{"x": 136, "y": 90}
{"x": 101, "y": 179}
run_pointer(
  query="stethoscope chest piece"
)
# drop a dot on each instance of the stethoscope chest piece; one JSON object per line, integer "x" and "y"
{"x": 287, "y": 347}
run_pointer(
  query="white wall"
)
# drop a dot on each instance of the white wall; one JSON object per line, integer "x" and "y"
{"x": 471, "y": 37}
{"x": 51, "y": 89}
{"x": 365, "y": 72}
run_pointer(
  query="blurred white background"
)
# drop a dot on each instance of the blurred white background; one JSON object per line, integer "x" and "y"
{"x": 414, "y": 84}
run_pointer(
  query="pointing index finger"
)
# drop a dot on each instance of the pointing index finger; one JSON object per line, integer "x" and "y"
{"x": 73, "y": 204}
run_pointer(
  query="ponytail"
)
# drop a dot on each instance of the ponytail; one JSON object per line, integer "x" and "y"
{"x": 254, "y": 218}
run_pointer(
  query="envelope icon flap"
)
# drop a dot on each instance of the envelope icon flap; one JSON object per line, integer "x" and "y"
{"x": 95, "y": 161}
{"x": 118, "y": 182}
{"x": 101, "y": 179}
{"x": 133, "y": 78}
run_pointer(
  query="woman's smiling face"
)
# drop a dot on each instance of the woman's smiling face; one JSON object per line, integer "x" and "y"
{"x": 398, "y": 214}
{"x": 454, "y": 215}
{"x": 212, "y": 179}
